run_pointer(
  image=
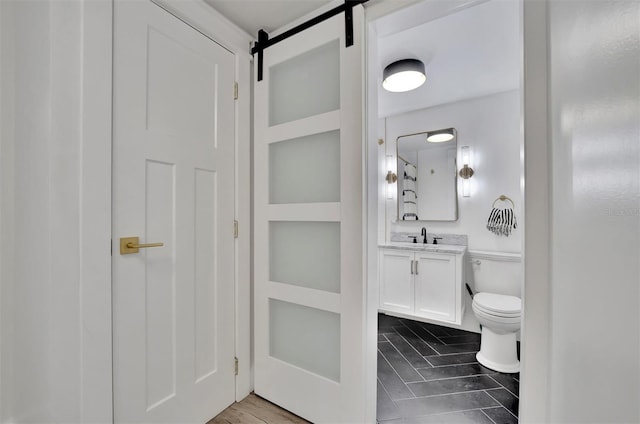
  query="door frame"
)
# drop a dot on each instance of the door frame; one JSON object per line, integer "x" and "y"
{"x": 535, "y": 332}
{"x": 97, "y": 56}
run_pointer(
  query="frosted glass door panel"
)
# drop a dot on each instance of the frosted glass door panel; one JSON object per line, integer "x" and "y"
{"x": 308, "y": 338}
{"x": 305, "y": 85}
{"x": 305, "y": 254}
{"x": 305, "y": 169}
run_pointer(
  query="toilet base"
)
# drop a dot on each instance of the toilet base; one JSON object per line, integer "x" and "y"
{"x": 498, "y": 351}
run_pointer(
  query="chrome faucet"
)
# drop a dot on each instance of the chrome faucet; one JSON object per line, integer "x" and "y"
{"x": 424, "y": 235}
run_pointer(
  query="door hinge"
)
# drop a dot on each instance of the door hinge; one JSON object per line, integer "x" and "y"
{"x": 235, "y": 91}
{"x": 235, "y": 229}
{"x": 236, "y": 365}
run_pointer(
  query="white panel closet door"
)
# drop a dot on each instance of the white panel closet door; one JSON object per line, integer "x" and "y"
{"x": 173, "y": 170}
{"x": 309, "y": 284}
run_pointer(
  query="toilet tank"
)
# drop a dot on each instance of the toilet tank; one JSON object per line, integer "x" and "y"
{"x": 495, "y": 272}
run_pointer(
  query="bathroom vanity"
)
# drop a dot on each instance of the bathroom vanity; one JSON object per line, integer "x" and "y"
{"x": 422, "y": 281}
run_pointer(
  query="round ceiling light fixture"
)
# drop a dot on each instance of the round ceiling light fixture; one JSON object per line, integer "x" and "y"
{"x": 403, "y": 75}
{"x": 440, "y": 136}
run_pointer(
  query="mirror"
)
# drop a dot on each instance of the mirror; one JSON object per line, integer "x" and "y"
{"x": 427, "y": 176}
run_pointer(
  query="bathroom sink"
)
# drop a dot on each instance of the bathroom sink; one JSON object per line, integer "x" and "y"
{"x": 409, "y": 244}
{"x": 444, "y": 248}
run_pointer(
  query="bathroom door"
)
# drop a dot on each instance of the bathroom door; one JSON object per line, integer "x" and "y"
{"x": 173, "y": 180}
{"x": 309, "y": 284}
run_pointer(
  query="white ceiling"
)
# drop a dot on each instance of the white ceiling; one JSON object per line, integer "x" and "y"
{"x": 252, "y": 15}
{"x": 469, "y": 52}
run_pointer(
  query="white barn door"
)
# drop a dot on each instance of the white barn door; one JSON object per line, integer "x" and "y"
{"x": 173, "y": 183}
{"x": 309, "y": 284}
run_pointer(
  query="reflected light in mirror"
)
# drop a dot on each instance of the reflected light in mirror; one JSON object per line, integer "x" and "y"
{"x": 440, "y": 136}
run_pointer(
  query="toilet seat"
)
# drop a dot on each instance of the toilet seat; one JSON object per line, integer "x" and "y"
{"x": 496, "y": 320}
{"x": 495, "y": 314}
{"x": 498, "y": 305}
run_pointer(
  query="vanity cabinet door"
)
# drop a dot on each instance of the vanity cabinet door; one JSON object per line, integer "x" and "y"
{"x": 396, "y": 281}
{"x": 435, "y": 286}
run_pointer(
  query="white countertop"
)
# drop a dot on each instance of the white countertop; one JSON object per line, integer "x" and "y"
{"x": 420, "y": 247}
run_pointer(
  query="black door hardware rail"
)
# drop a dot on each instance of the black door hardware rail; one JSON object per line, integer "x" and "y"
{"x": 264, "y": 41}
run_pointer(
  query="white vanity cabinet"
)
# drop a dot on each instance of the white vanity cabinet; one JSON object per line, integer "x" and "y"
{"x": 397, "y": 281}
{"x": 423, "y": 282}
{"x": 435, "y": 286}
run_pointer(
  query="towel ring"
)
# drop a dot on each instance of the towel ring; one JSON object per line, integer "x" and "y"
{"x": 503, "y": 198}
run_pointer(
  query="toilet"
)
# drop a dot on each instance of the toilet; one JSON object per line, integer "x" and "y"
{"x": 499, "y": 316}
{"x": 497, "y": 279}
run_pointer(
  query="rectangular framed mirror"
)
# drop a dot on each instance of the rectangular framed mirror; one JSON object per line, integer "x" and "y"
{"x": 427, "y": 176}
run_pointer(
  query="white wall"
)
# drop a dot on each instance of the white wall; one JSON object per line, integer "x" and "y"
{"x": 55, "y": 213}
{"x": 595, "y": 242}
{"x": 491, "y": 127}
{"x": 6, "y": 192}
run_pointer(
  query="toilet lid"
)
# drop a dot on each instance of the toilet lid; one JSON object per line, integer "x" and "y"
{"x": 498, "y": 303}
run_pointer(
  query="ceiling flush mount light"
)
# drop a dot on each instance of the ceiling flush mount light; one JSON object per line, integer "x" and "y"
{"x": 441, "y": 136}
{"x": 403, "y": 75}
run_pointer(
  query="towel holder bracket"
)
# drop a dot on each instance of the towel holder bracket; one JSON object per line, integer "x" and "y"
{"x": 502, "y": 197}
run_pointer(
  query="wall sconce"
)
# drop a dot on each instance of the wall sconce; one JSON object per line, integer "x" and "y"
{"x": 466, "y": 172}
{"x": 391, "y": 177}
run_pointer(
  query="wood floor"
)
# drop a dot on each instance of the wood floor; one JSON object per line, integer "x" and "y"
{"x": 255, "y": 410}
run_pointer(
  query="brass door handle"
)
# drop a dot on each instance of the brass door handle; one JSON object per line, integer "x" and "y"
{"x": 130, "y": 245}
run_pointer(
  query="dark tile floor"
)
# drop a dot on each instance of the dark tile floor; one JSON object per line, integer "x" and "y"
{"x": 429, "y": 374}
